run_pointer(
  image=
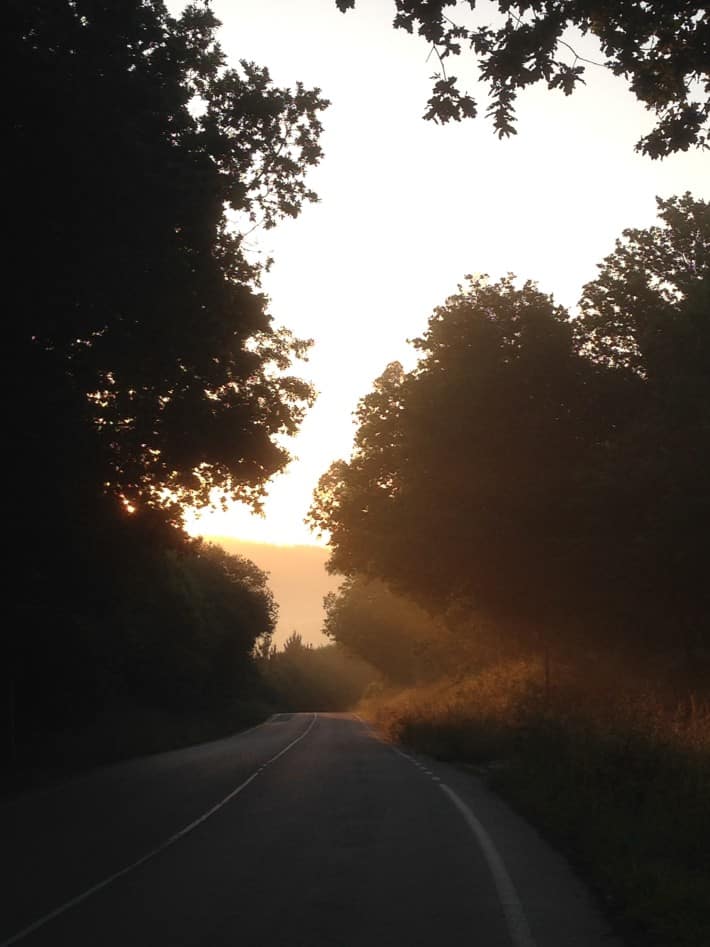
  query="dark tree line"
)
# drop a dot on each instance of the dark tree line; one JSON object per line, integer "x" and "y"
{"x": 302, "y": 677}
{"x": 548, "y": 472}
{"x": 141, "y": 624}
{"x": 143, "y": 368}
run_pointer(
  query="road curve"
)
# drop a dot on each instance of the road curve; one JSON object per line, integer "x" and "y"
{"x": 306, "y": 831}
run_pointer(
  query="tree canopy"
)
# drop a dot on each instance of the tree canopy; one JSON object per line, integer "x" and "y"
{"x": 662, "y": 50}
{"x": 389, "y": 631}
{"x": 645, "y": 309}
{"x": 300, "y": 676}
{"x": 144, "y": 370}
{"x": 649, "y": 309}
{"x": 539, "y": 467}
{"x": 140, "y": 161}
{"x": 460, "y": 479}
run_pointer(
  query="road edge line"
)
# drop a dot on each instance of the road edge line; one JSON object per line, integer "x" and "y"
{"x": 517, "y": 922}
{"x": 513, "y": 911}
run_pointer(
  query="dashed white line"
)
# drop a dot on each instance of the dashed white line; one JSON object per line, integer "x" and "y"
{"x": 20, "y": 935}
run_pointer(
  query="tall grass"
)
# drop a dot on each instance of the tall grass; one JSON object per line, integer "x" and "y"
{"x": 614, "y": 769}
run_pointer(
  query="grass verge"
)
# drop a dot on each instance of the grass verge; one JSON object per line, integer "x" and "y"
{"x": 617, "y": 776}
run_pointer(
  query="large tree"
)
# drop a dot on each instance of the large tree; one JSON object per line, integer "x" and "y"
{"x": 143, "y": 368}
{"x": 662, "y": 49}
{"x": 550, "y": 472}
{"x": 390, "y": 632}
{"x": 648, "y": 311}
{"x": 647, "y": 307}
{"x": 462, "y": 483}
{"x": 140, "y": 161}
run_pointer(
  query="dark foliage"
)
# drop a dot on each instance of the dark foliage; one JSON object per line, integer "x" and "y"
{"x": 662, "y": 49}
{"x": 138, "y": 162}
{"x": 649, "y": 310}
{"x": 143, "y": 368}
{"x": 135, "y": 617}
{"x": 547, "y": 472}
{"x": 301, "y": 677}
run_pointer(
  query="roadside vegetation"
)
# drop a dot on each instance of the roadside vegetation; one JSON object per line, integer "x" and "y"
{"x": 159, "y": 654}
{"x": 523, "y": 523}
{"x": 301, "y": 677}
{"x": 144, "y": 373}
{"x": 522, "y": 526}
{"x": 614, "y": 768}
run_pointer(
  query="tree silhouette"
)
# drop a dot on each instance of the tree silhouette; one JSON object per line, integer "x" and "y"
{"x": 546, "y": 472}
{"x": 461, "y": 481}
{"x": 390, "y": 632}
{"x": 649, "y": 311}
{"x": 645, "y": 308}
{"x": 143, "y": 369}
{"x": 140, "y": 161}
{"x": 660, "y": 48}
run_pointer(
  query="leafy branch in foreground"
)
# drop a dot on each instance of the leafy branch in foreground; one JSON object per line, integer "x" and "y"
{"x": 661, "y": 49}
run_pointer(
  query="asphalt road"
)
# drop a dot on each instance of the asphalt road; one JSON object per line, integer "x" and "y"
{"x": 304, "y": 832}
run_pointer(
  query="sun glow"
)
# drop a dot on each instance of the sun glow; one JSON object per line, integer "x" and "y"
{"x": 277, "y": 527}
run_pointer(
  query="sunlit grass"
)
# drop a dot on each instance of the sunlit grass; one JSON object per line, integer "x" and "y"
{"x": 617, "y": 771}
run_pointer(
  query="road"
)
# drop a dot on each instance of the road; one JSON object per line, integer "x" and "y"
{"x": 307, "y": 831}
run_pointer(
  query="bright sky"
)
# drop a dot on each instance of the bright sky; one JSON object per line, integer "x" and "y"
{"x": 407, "y": 208}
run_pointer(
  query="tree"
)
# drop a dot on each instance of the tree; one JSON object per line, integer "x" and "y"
{"x": 648, "y": 312}
{"x": 462, "y": 483}
{"x": 133, "y": 623}
{"x": 390, "y": 632}
{"x": 233, "y": 611}
{"x": 662, "y": 49}
{"x": 646, "y": 308}
{"x": 140, "y": 161}
{"x": 548, "y": 474}
{"x": 143, "y": 368}
{"x": 301, "y": 677}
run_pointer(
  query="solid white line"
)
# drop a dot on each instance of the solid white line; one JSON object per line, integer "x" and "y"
{"x": 156, "y": 851}
{"x": 517, "y": 923}
{"x": 518, "y": 927}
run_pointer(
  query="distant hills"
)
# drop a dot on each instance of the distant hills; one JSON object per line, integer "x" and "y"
{"x": 298, "y": 580}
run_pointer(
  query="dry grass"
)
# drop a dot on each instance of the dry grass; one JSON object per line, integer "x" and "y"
{"x": 616, "y": 770}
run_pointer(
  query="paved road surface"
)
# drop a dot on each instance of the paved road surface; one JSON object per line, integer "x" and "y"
{"x": 327, "y": 838}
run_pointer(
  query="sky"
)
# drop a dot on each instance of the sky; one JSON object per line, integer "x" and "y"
{"x": 407, "y": 208}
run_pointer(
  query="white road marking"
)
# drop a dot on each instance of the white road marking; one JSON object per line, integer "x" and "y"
{"x": 20, "y": 935}
{"x": 518, "y": 927}
{"x": 515, "y": 918}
